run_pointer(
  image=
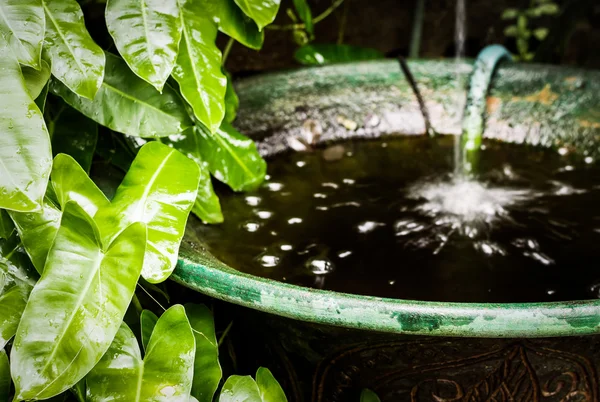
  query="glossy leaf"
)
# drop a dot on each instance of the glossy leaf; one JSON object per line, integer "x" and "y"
{"x": 25, "y": 156}
{"x": 305, "y": 14}
{"x": 22, "y": 23}
{"x": 76, "y": 60}
{"x": 158, "y": 190}
{"x": 165, "y": 374}
{"x": 79, "y": 390}
{"x": 147, "y": 35}
{"x": 4, "y": 377}
{"x": 240, "y": 389}
{"x": 232, "y": 102}
{"x": 207, "y": 206}
{"x": 75, "y": 135}
{"x": 198, "y": 68}
{"x": 263, "y": 12}
{"x": 69, "y": 183}
{"x": 233, "y": 22}
{"x": 207, "y": 370}
{"x": 232, "y": 158}
{"x": 129, "y": 105}
{"x": 16, "y": 283}
{"x": 147, "y": 322}
{"x": 36, "y": 80}
{"x": 6, "y": 225}
{"x": 75, "y": 310}
{"x": 368, "y": 396}
{"x": 331, "y": 53}
{"x": 270, "y": 390}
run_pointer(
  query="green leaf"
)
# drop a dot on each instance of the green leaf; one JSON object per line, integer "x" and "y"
{"x": 543, "y": 9}
{"x": 79, "y": 390}
{"x": 511, "y": 30}
{"x": 147, "y": 322}
{"x": 40, "y": 101}
{"x": 165, "y": 374}
{"x": 368, "y": 396}
{"x": 75, "y": 135}
{"x": 147, "y": 35}
{"x": 270, "y": 390}
{"x": 128, "y": 104}
{"x": 540, "y": 33}
{"x": 159, "y": 190}
{"x": 232, "y": 158}
{"x": 69, "y": 183}
{"x": 233, "y": 22}
{"x": 510, "y": 14}
{"x": 16, "y": 282}
{"x": 240, "y": 389}
{"x": 4, "y": 376}
{"x": 36, "y": 80}
{"x": 198, "y": 68}
{"x": 22, "y": 23}
{"x": 305, "y": 14}
{"x": 332, "y": 53}
{"x": 76, "y": 60}
{"x": 6, "y": 225}
{"x": 75, "y": 310}
{"x": 206, "y": 206}
{"x": 207, "y": 370}
{"x": 25, "y": 156}
{"x": 232, "y": 102}
{"x": 263, "y": 12}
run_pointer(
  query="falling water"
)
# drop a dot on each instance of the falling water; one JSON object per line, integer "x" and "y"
{"x": 460, "y": 33}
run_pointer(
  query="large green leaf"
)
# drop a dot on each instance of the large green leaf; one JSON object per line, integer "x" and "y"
{"x": 76, "y": 60}
{"x": 4, "y": 377}
{"x": 198, "y": 68}
{"x": 75, "y": 135}
{"x": 6, "y": 225}
{"x": 165, "y": 374}
{"x": 36, "y": 80}
{"x": 69, "y": 183}
{"x": 148, "y": 321}
{"x": 128, "y": 104}
{"x": 25, "y": 156}
{"x": 263, "y": 12}
{"x": 270, "y": 390}
{"x": 206, "y": 206}
{"x": 75, "y": 310}
{"x": 147, "y": 34}
{"x": 233, "y": 22}
{"x": 22, "y": 23}
{"x": 232, "y": 158}
{"x": 16, "y": 283}
{"x": 159, "y": 189}
{"x": 240, "y": 389}
{"x": 232, "y": 102}
{"x": 368, "y": 396}
{"x": 207, "y": 370}
{"x": 332, "y": 53}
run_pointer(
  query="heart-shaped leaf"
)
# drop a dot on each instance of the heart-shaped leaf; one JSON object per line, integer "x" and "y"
{"x": 232, "y": 158}
{"x": 270, "y": 390}
{"x": 207, "y": 370}
{"x": 263, "y": 12}
{"x": 147, "y": 34}
{"x": 159, "y": 190}
{"x": 206, "y": 206}
{"x": 198, "y": 68}
{"x": 240, "y": 389}
{"x": 4, "y": 376}
{"x": 77, "y": 306}
{"x": 36, "y": 80}
{"x": 129, "y": 105}
{"x": 147, "y": 323}
{"x": 69, "y": 183}
{"x": 165, "y": 374}
{"x": 76, "y": 60}
{"x": 233, "y": 22}
{"x": 75, "y": 135}
{"x": 25, "y": 156}
{"x": 22, "y": 23}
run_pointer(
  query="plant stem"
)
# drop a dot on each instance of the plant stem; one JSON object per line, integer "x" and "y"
{"x": 152, "y": 297}
{"x": 227, "y": 50}
{"x": 318, "y": 18}
{"x": 224, "y": 335}
{"x": 342, "y": 28}
{"x": 417, "y": 28}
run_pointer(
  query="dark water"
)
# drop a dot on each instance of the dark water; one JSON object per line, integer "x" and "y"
{"x": 385, "y": 218}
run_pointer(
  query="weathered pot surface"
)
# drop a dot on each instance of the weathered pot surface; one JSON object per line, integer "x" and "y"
{"x": 542, "y": 105}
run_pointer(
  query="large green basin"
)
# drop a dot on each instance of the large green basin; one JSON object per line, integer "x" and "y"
{"x": 544, "y": 105}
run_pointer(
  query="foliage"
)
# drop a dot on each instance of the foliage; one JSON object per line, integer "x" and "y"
{"x": 521, "y": 30}
{"x": 368, "y": 396}
{"x": 327, "y": 54}
{"x": 71, "y": 258}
